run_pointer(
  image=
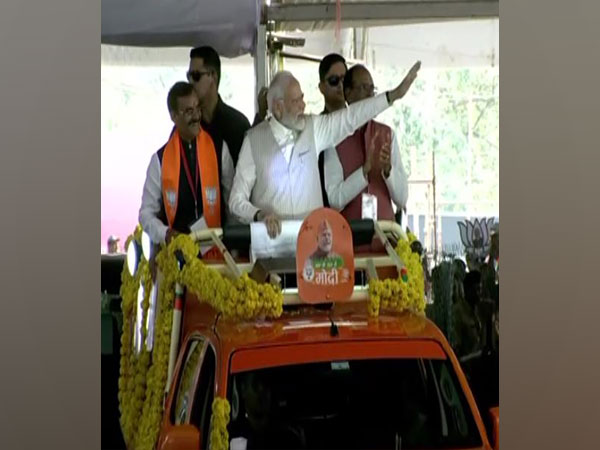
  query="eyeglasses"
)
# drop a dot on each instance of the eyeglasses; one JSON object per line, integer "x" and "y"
{"x": 196, "y": 75}
{"x": 334, "y": 80}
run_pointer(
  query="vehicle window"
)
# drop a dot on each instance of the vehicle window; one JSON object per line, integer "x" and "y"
{"x": 187, "y": 381}
{"x": 386, "y": 403}
{"x": 202, "y": 407}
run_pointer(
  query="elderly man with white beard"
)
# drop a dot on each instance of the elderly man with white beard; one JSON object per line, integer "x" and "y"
{"x": 277, "y": 176}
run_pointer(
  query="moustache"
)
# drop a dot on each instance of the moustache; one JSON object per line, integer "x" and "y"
{"x": 193, "y": 122}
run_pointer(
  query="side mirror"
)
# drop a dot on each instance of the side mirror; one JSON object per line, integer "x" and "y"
{"x": 181, "y": 437}
{"x": 495, "y": 418}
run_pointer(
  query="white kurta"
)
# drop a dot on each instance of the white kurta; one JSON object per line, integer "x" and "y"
{"x": 277, "y": 170}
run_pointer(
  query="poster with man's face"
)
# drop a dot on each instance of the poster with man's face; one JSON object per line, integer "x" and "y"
{"x": 325, "y": 258}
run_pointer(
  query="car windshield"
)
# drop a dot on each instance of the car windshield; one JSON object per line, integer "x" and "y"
{"x": 377, "y": 404}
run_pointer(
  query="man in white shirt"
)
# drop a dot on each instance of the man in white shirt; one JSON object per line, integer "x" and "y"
{"x": 366, "y": 164}
{"x": 332, "y": 70}
{"x": 189, "y": 178}
{"x": 277, "y": 174}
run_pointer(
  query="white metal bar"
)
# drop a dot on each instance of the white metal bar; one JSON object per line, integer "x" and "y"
{"x": 291, "y": 297}
{"x": 231, "y": 264}
{"x": 388, "y": 247}
{"x": 175, "y": 330}
{"x": 389, "y": 226}
{"x": 206, "y": 234}
{"x": 371, "y": 271}
{"x": 360, "y": 263}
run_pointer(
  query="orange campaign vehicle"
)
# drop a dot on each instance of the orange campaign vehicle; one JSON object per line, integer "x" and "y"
{"x": 223, "y": 356}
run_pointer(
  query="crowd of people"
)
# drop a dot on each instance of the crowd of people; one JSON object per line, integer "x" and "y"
{"x": 216, "y": 168}
{"x": 466, "y": 305}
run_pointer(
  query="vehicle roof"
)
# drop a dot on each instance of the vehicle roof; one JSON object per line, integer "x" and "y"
{"x": 311, "y": 323}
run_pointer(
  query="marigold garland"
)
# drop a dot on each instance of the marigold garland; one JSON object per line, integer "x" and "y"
{"x": 219, "y": 436}
{"x": 243, "y": 298}
{"x": 397, "y": 294}
{"x": 132, "y": 378}
{"x": 149, "y": 425}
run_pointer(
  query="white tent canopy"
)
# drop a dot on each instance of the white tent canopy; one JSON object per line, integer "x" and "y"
{"x": 231, "y": 26}
{"x": 466, "y": 43}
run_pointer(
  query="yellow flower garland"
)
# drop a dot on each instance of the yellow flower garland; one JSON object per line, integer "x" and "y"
{"x": 219, "y": 436}
{"x": 396, "y": 294}
{"x": 242, "y": 298}
{"x": 132, "y": 378}
{"x": 149, "y": 425}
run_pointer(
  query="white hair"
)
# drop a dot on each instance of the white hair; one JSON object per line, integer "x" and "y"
{"x": 277, "y": 88}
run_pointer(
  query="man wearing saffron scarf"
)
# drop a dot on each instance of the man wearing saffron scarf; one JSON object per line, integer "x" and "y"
{"x": 189, "y": 178}
{"x": 367, "y": 164}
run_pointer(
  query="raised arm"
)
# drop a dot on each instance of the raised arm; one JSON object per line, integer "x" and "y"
{"x": 331, "y": 129}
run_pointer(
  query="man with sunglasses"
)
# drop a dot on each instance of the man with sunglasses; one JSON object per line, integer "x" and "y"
{"x": 277, "y": 174}
{"x": 364, "y": 174}
{"x": 332, "y": 69}
{"x": 189, "y": 179}
{"x": 223, "y": 123}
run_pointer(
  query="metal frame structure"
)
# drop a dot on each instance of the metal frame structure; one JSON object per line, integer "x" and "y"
{"x": 269, "y": 57}
{"x": 369, "y": 263}
{"x": 381, "y": 10}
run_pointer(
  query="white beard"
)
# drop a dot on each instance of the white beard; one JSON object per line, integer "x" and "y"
{"x": 297, "y": 124}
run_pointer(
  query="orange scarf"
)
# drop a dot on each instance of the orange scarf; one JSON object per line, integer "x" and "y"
{"x": 206, "y": 156}
{"x": 209, "y": 178}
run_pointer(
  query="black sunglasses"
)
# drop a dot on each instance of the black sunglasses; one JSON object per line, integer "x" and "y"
{"x": 196, "y": 75}
{"x": 334, "y": 80}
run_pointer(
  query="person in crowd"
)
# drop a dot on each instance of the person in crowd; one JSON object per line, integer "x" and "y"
{"x": 223, "y": 123}
{"x": 277, "y": 173}
{"x": 367, "y": 164}
{"x": 261, "y": 101}
{"x": 189, "y": 178}
{"x": 332, "y": 70}
{"x": 466, "y": 324}
{"x": 112, "y": 244}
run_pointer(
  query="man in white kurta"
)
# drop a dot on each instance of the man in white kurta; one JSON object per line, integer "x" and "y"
{"x": 277, "y": 174}
{"x": 368, "y": 162}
